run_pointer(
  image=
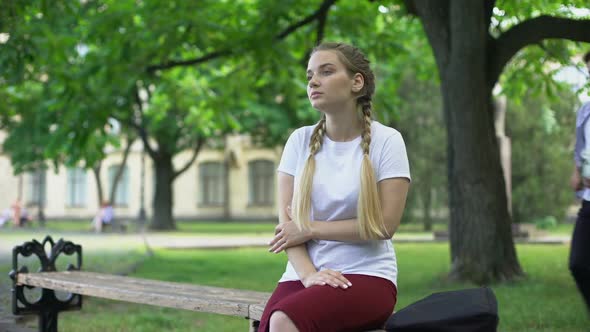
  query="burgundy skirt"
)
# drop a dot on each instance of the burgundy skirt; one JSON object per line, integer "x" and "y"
{"x": 365, "y": 305}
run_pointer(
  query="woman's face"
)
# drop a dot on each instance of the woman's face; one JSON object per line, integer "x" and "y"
{"x": 329, "y": 84}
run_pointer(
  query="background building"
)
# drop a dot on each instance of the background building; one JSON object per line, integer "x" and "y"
{"x": 237, "y": 182}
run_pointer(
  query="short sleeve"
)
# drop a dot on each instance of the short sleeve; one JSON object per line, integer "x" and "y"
{"x": 393, "y": 162}
{"x": 291, "y": 153}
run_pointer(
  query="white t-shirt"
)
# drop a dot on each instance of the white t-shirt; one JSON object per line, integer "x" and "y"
{"x": 335, "y": 192}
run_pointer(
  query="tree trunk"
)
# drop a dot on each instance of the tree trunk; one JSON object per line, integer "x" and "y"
{"x": 120, "y": 170}
{"x": 226, "y": 201}
{"x": 482, "y": 249}
{"x": 96, "y": 172}
{"x": 427, "y": 203}
{"x": 163, "y": 197}
{"x": 41, "y": 178}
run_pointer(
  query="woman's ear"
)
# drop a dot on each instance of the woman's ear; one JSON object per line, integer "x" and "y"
{"x": 358, "y": 82}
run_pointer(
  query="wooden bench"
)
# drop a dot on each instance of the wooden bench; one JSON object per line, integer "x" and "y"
{"x": 225, "y": 301}
{"x": 232, "y": 302}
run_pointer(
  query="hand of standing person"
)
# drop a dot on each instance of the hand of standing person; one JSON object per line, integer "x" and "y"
{"x": 576, "y": 180}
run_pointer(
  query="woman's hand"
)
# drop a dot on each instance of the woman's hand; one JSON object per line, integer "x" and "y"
{"x": 326, "y": 277}
{"x": 576, "y": 180}
{"x": 288, "y": 235}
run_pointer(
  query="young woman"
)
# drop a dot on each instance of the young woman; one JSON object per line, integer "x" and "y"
{"x": 342, "y": 190}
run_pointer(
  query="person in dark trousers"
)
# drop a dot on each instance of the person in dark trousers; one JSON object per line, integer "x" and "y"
{"x": 579, "y": 263}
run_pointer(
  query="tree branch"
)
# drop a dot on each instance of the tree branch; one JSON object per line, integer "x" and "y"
{"x": 204, "y": 58}
{"x": 198, "y": 146}
{"x": 322, "y": 10}
{"x": 531, "y": 32}
{"x": 324, "y": 7}
{"x": 96, "y": 171}
{"x": 129, "y": 121}
{"x": 322, "y": 18}
{"x": 319, "y": 37}
{"x": 144, "y": 138}
{"x": 120, "y": 169}
{"x": 141, "y": 129}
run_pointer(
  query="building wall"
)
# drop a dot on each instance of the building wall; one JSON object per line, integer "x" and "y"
{"x": 8, "y": 182}
{"x": 236, "y": 156}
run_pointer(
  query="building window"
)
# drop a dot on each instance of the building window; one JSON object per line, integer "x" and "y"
{"x": 36, "y": 188}
{"x": 261, "y": 186}
{"x": 212, "y": 182}
{"x": 122, "y": 194}
{"x": 76, "y": 190}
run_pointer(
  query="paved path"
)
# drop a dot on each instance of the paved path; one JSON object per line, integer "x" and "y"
{"x": 116, "y": 242}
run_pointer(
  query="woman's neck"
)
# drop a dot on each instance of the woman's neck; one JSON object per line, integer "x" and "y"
{"x": 343, "y": 126}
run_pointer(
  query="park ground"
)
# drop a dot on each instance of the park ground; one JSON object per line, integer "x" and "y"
{"x": 233, "y": 255}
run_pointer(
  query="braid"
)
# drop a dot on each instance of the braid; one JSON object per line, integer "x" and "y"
{"x": 371, "y": 223}
{"x": 302, "y": 196}
{"x": 315, "y": 142}
{"x": 365, "y": 104}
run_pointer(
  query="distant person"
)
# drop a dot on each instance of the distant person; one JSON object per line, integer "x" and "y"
{"x": 20, "y": 215}
{"x": 104, "y": 217}
{"x": 579, "y": 262}
{"x": 25, "y": 218}
{"x": 5, "y": 216}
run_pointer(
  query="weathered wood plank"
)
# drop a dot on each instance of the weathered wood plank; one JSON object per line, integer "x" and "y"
{"x": 223, "y": 301}
{"x": 255, "y": 311}
{"x": 106, "y": 280}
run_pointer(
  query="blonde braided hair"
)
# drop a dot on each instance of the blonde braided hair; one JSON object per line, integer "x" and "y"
{"x": 302, "y": 196}
{"x": 371, "y": 223}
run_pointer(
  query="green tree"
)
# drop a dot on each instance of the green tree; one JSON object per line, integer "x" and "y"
{"x": 150, "y": 65}
{"x": 275, "y": 100}
{"x": 471, "y": 52}
{"x": 420, "y": 122}
{"x": 541, "y": 129}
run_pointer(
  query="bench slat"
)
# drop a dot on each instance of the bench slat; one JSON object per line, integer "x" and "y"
{"x": 255, "y": 311}
{"x": 163, "y": 287}
{"x": 223, "y": 301}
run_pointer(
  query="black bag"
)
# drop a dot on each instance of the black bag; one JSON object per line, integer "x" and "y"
{"x": 455, "y": 311}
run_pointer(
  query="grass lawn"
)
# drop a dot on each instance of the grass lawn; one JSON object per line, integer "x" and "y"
{"x": 546, "y": 301}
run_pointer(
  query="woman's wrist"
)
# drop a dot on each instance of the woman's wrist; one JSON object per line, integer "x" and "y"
{"x": 313, "y": 232}
{"x": 304, "y": 275}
